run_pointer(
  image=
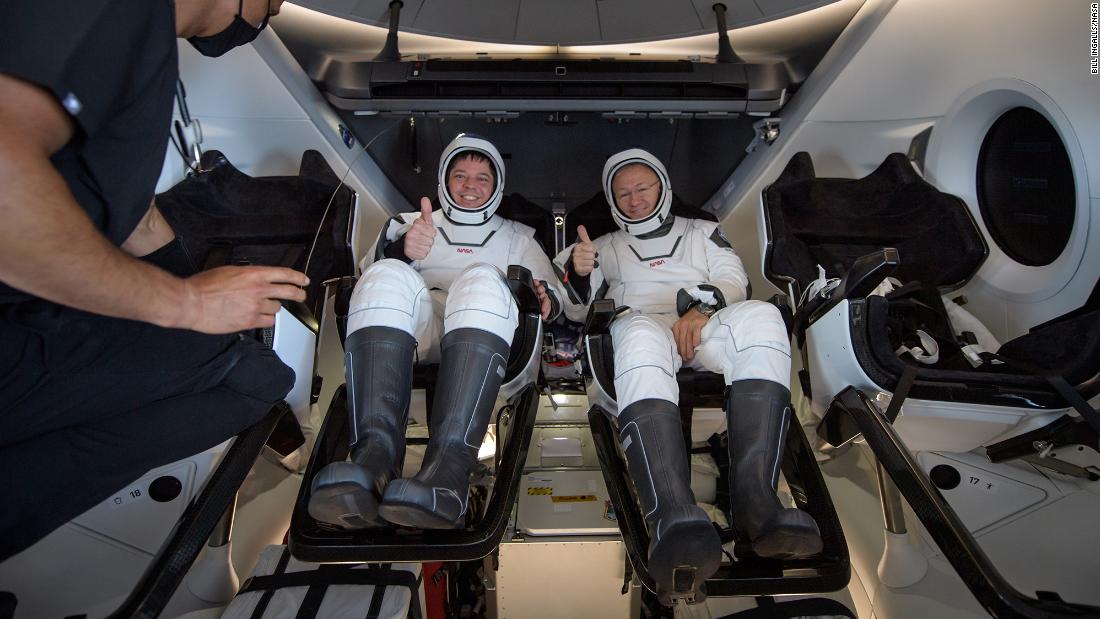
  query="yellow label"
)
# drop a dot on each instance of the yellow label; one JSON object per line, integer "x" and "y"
{"x": 539, "y": 491}
{"x": 574, "y": 498}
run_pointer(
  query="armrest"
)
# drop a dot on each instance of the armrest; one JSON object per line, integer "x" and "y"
{"x": 600, "y": 315}
{"x": 866, "y": 274}
{"x": 303, "y": 313}
{"x": 341, "y": 288}
{"x": 783, "y": 303}
{"x": 523, "y": 289}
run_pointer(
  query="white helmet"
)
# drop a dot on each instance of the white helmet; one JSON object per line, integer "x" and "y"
{"x": 652, "y": 221}
{"x": 465, "y": 142}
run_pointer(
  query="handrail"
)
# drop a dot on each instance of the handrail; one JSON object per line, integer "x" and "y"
{"x": 992, "y": 591}
{"x": 164, "y": 574}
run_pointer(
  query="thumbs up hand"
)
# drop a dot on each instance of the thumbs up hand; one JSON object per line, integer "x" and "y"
{"x": 584, "y": 253}
{"x": 421, "y": 236}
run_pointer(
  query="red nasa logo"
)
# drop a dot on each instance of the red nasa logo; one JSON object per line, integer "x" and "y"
{"x": 656, "y": 263}
{"x": 464, "y": 250}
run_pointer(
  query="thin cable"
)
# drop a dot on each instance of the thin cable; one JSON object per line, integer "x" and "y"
{"x": 339, "y": 186}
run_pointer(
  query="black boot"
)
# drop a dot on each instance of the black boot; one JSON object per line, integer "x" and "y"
{"x": 378, "y": 367}
{"x": 470, "y": 372}
{"x": 684, "y": 548}
{"x": 758, "y": 412}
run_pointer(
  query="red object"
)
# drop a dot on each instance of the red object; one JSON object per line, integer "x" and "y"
{"x": 435, "y": 591}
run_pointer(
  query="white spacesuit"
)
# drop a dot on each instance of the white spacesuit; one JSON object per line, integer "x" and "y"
{"x": 451, "y": 306}
{"x": 663, "y": 267}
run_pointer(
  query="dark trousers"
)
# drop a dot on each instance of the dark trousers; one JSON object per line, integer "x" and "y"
{"x": 90, "y": 403}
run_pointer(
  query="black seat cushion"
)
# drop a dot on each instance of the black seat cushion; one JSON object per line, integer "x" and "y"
{"x": 224, "y": 216}
{"x": 520, "y": 209}
{"x": 1070, "y": 348}
{"x": 832, "y": 221}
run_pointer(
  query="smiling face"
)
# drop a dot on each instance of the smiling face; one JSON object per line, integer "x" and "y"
{"x": 470, "y": 181}
{"x": 636, "y": 189}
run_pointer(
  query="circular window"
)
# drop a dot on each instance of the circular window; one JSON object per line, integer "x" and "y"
{"x": 1025, "y": 187}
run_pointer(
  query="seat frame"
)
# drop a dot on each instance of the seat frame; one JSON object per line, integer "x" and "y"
{"x": 827, "y": 571}
{"x": 310, "y": 540}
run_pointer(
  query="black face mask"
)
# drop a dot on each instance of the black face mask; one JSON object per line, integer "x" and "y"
{"x": 238, "y": 33}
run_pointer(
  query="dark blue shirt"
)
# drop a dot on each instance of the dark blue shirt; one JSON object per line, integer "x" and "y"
{"x": 112, "y": 64}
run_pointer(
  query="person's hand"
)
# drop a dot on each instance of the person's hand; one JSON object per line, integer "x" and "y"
{"x": 584, "y": 253}
{"x": 235, "y": 298}
{"x": 686, "y": 331}
{"x": 421, "y": 236}
{"x": 544, "y": 299}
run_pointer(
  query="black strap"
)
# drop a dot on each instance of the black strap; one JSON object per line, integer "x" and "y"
{"x": 311, "y": 603}
{"x": 377, "y": 597}
{"x": 808, "y": 607}
{"x": 265, "y": 599}
{"x": 328, "y": 575}
{"x": 628, "y": 575}
{"x": 905, "y": 383}
{"x": 1056, "y": 382}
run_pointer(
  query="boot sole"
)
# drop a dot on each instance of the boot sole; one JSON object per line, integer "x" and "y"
{"x": 789, "y": 533}
{"x": 346, "y": 505}
{"x": 690, "y": 554}
{"x": 788, "y": 543}
{"x": 413, "y": 515}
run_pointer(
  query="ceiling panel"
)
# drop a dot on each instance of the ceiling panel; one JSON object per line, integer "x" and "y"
{"x": 563, "y": 21}
{"x": 491, "y": 20}
{"x": 334, "y": 7}
{"x": 775, "y": 8}
{"x": 627, "y": 20}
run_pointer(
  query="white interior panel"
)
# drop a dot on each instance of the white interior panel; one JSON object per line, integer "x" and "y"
{"x": 903, "y": 66}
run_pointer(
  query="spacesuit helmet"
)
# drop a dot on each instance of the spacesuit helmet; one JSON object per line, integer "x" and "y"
{"x": 465, "y": 143}
{"x": 652, "y": 220}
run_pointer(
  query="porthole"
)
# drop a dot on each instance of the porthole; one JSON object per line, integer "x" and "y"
{"x": 1025, "y": 187}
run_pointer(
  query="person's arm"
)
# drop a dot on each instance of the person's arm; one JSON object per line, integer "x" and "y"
{"x": 151, "y": 233}
{"x": 405, "y": 237}
{"x": 727, "y": 282}
{"x": 51, "y": 249}
{"x": 576, "y": 301}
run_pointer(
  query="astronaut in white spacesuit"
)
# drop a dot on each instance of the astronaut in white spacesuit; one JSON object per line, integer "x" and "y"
{"x": 687, "y": 290}
{"x": 434, "y": 291}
